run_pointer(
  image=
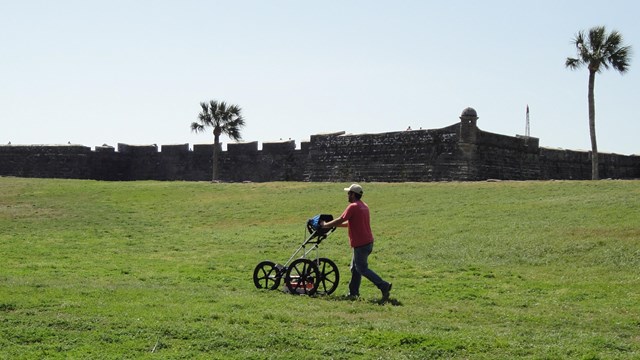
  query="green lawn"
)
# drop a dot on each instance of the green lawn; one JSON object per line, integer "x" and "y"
{"x": 490, "y": 270}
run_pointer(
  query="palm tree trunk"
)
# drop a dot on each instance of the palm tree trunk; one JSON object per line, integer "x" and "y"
{"x": 592, "y": 127}
{"x": 214, "y": 162}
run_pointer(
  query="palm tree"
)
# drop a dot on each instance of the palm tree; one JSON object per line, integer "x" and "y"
{"x": 597, "y": 50}
{"x": 224, "y": 119}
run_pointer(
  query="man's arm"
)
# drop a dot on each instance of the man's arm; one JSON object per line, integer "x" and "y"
{"x": 337, "y": 222}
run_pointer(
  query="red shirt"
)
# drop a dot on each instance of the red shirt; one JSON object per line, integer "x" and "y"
{"x": 357, "y": 213}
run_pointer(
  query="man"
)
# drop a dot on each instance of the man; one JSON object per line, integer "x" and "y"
{"x": 356, "y": 218}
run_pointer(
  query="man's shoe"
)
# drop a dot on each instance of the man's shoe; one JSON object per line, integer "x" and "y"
{"x": 351, "y": 297}
{"x": 385, "y": 293}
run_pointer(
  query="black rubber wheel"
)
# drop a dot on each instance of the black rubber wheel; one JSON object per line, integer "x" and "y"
{"x": 302, "y": 277}
{"x": 267, "y": 275}
{"x": 329, "y": 276}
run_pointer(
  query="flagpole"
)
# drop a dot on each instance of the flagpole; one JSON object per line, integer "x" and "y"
{"x": 527, "y": 131}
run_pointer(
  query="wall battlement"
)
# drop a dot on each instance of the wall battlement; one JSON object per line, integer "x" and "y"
{"x": 459, "y": 152}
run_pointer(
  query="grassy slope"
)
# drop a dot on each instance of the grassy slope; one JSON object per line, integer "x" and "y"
{"x": 163, "y": 270}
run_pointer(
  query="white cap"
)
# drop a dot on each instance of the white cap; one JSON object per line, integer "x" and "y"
{"x": 355, "y": 188}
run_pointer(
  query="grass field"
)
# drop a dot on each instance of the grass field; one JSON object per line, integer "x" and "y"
{"x": 163, "y": 270}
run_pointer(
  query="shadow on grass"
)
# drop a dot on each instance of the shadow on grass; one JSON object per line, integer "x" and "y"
{"x": 347, "y": 298}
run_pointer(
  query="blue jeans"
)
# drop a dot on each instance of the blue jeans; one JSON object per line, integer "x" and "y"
{"x": 360, "y": 268}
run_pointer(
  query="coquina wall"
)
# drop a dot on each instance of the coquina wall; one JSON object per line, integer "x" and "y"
{"x": 460, "y": 152}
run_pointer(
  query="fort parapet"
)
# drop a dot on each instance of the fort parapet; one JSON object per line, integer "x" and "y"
{"x": 460, "y": 152}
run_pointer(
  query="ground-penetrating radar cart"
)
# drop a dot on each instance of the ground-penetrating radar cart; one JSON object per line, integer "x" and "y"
{"x": 302, "y": 274}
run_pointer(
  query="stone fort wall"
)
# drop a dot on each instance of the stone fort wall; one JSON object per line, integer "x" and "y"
{"x": 460, "y": 152}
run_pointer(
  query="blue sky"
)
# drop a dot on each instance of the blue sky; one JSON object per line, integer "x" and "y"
{"x": 104, "y": 72}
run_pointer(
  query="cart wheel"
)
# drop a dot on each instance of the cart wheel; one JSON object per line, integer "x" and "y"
{"x": 329, "y": 276}
{"x": 302, "y": 277}
{"x": 266, "y": 275}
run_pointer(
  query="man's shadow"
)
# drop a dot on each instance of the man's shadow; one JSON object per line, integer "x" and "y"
{"x": 347, "y": 298}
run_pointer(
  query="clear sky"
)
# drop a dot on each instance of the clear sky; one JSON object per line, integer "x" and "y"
{"x": 107, "y": 72}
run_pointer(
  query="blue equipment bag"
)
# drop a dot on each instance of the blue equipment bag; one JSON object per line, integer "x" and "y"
{"x": 313, "y": 224}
